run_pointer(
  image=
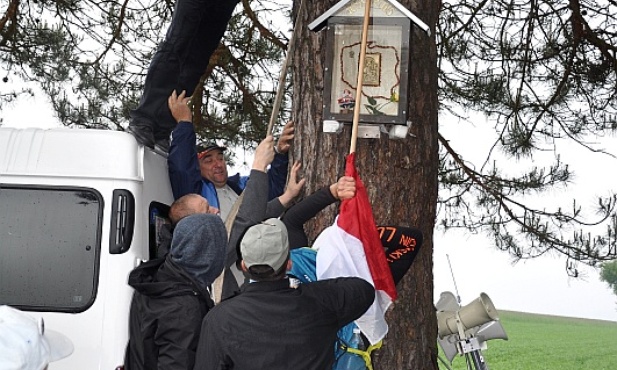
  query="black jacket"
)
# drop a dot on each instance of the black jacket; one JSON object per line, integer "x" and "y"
{"x": 253, "y": 210}
{"x": 166, "y": 313}
{"x": 298, "y": 214}
{"x": 272, "y": 326}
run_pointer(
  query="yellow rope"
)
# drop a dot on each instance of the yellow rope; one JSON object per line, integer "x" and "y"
{"x": 365, "y": 354}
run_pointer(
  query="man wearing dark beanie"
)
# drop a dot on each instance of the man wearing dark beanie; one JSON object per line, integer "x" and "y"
{"x": 172, "y": 296}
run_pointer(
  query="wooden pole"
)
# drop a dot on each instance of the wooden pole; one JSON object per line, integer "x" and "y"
{"x": 217, "y": 285}
{"x": 356, "y": 111}
{"x": 282, "y": 77}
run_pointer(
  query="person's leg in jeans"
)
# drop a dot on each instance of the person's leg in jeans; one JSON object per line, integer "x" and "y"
{"x": 195, "y": 32}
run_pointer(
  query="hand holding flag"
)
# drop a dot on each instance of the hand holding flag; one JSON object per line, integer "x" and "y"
{"x": 351, "y": 247}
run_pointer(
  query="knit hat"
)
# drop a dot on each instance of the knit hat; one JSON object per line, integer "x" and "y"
{"x": 265, "y": 244}
{"x": 25, "y": 343}
{"x": 199, "y": 246}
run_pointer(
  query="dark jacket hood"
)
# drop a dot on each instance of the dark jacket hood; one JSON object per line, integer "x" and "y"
{"x": 161, "y": 278}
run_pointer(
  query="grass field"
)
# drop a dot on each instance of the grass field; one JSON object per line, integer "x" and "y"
{"x": 541, "y": 342}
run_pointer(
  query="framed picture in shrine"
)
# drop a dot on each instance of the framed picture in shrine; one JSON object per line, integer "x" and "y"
{"x": 386, "y": 68}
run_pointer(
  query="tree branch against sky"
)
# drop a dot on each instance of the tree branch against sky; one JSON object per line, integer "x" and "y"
{"x": 90, "y": 58}
{"x": 543, "y": 72}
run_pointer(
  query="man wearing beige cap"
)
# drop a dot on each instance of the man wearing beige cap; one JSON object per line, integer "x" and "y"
{"x": 271, "y": 325}
{"x": 25, "y": 343}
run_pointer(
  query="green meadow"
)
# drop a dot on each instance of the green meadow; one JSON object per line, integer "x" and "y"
{"x": 542, "y": 342}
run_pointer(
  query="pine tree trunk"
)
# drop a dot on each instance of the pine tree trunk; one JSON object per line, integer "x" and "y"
{"x": 400, "y": 175}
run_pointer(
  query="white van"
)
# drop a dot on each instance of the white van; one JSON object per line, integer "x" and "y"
{"x": 79, "y": 209}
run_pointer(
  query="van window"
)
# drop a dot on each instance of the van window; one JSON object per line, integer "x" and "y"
{"x": 159, "y": 230}
{"x": 49, "y": 246}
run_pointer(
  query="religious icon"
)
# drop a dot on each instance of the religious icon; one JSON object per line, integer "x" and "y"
{"x": 346, "y": 101}
{"x": 372, "y": 69}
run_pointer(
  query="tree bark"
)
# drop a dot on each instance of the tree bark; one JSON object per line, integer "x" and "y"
{"x": 400, "y": 175}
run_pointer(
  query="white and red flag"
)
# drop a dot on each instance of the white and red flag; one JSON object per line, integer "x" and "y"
{"x": 351, "y": 247}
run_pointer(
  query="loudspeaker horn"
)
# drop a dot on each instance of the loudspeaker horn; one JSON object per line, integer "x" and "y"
{"x": 477, "y": 312}
{"x": 448, "y": 346}
{"x": 447, "y": 302}
{"x": 491, "y": 330}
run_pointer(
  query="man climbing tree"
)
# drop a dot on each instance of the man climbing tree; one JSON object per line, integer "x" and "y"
{"x": 179, "y": 62}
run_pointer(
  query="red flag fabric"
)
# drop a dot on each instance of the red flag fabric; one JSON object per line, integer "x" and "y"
{"x": 356, "y": 217}
{"x": 351, "y": 247}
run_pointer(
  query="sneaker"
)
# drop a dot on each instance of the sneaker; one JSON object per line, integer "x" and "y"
{"x": 143, "y": 134}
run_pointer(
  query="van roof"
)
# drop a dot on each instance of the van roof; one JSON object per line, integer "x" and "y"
{"x": 61, "y": 152}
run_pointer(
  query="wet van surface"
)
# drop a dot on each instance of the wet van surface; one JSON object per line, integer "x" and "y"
{"x": 79, "y": 209}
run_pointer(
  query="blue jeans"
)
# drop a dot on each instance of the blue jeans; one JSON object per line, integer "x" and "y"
{"x": 196, "y": 29}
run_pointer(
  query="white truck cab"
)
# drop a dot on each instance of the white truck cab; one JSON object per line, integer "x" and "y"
{"x": 79, "y": 209}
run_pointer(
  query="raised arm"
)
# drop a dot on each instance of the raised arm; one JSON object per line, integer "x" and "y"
{"x": 182, "y": 163}
{"x": 253, "y": 207}
{"x": 293, "y": 186}
{"x": 307, "y": 208}
{"x": 277, "y": 175}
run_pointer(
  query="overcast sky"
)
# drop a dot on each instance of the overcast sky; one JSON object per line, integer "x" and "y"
{"x": 537, "y": 286}
{"x": 540, "y": 285}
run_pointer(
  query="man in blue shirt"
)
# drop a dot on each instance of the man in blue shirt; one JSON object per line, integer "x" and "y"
{"x": 205, "y": 173}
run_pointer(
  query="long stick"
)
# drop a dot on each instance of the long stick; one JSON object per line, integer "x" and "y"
{"x": 356, "y": 111}
{"x": 217, "y": 285}
{"x": 282, "y": 77}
